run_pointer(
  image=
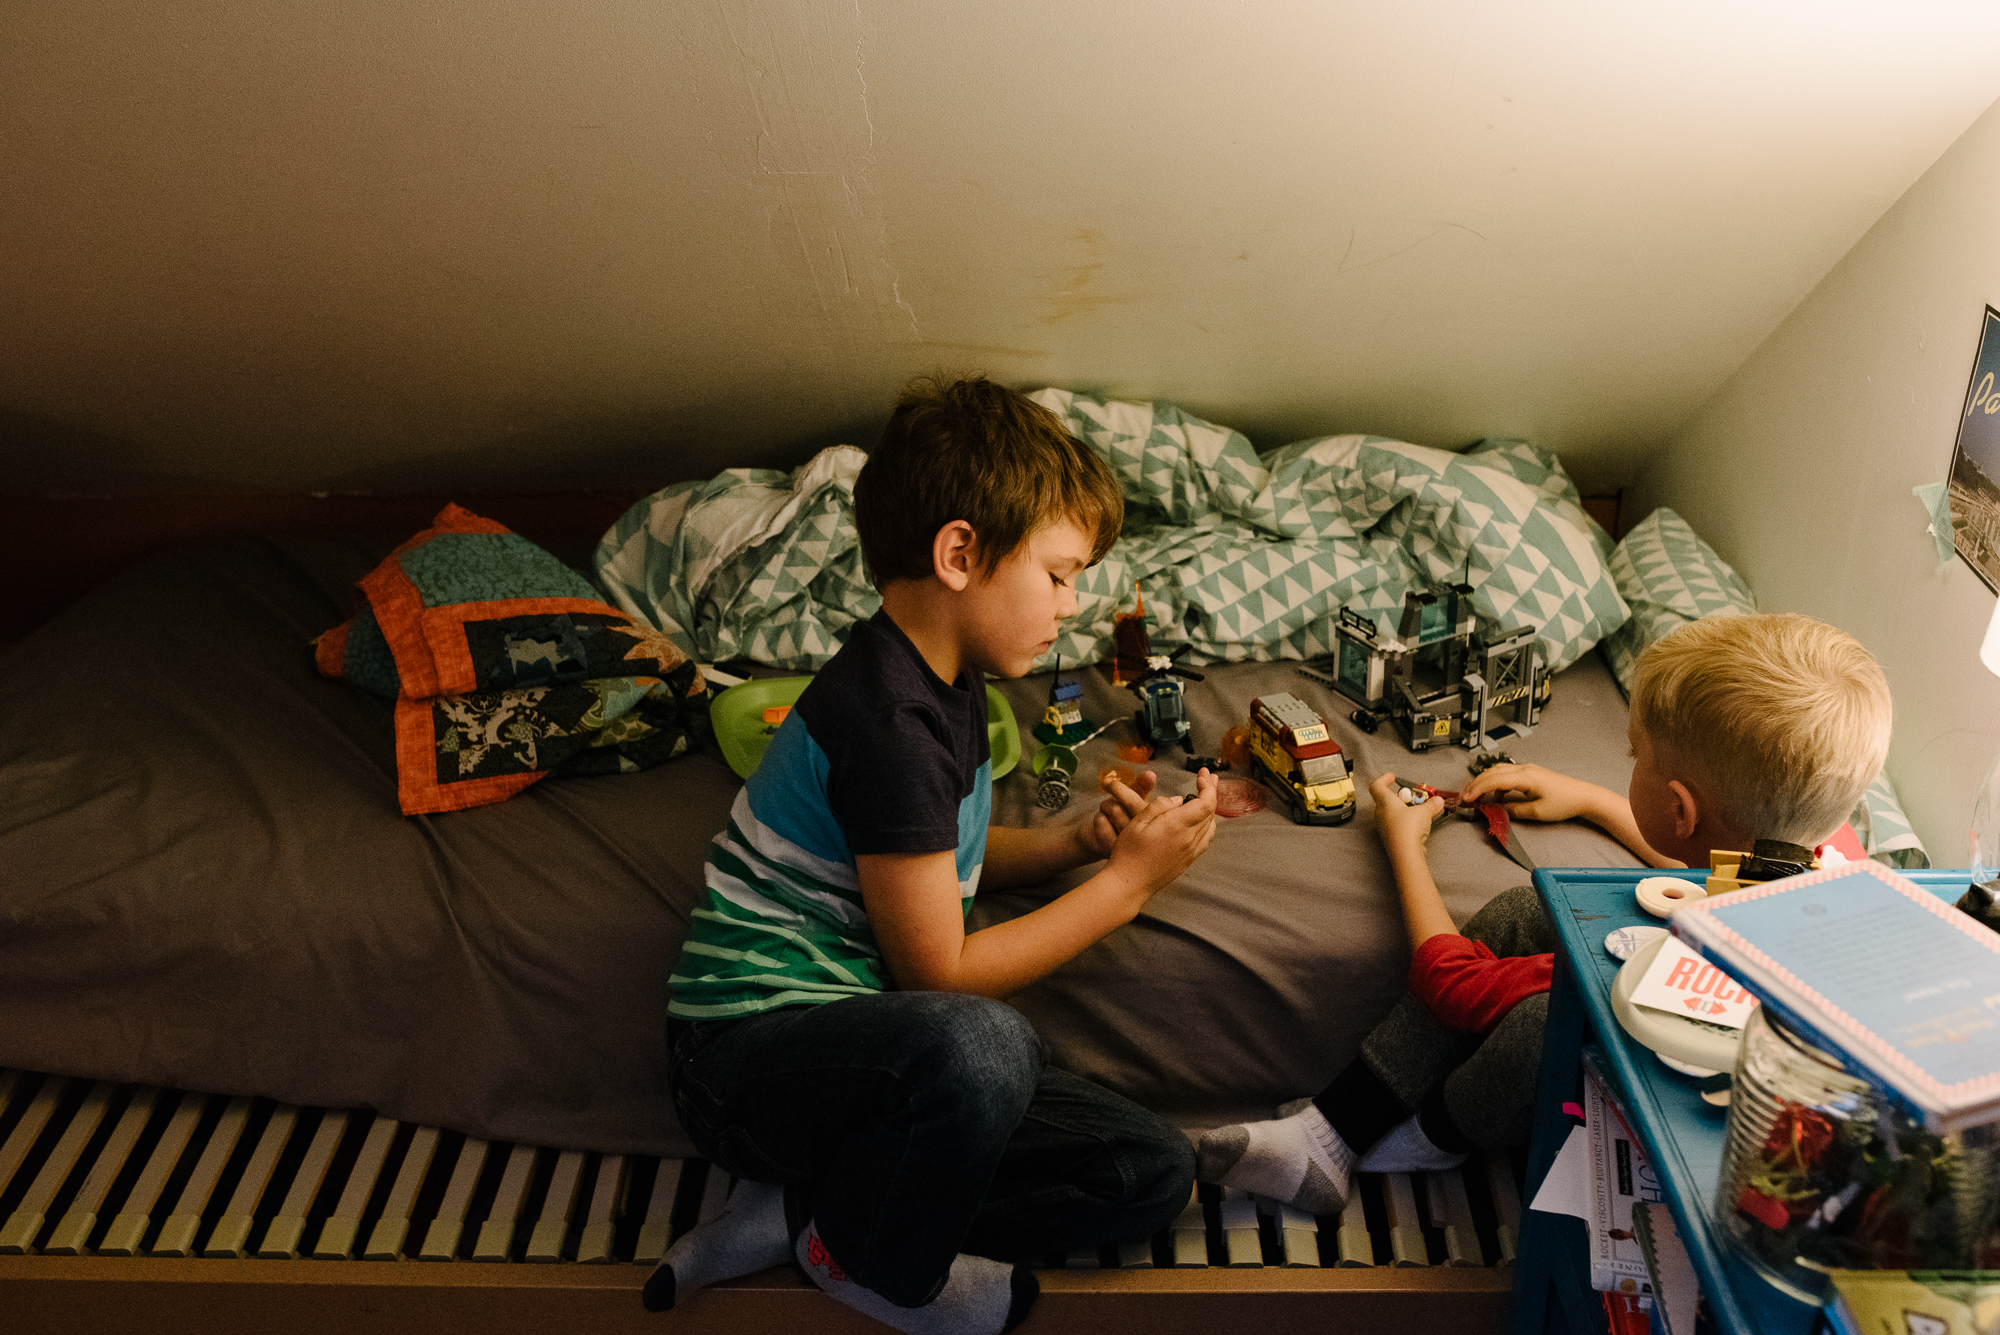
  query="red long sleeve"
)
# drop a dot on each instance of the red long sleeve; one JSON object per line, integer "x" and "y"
{"x": 1470, "y": 989}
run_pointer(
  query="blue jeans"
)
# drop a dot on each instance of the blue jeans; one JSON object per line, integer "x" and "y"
{"x": 912, "y": 1126}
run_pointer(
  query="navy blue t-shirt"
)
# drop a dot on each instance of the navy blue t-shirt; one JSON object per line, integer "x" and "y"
{"x": 878, "y": 756}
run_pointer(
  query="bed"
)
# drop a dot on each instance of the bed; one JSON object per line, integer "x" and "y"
{"x": 229, "y": 963}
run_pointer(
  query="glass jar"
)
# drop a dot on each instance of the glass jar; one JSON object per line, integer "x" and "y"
{"x": 1819, "y": 1172}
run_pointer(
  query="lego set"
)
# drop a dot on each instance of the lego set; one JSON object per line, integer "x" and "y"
{"x": 1437, "y": 678}
{"x": 1162, "y": 714}
{"x": 1295, "y": 755}
{"x": 1063, "y": 723}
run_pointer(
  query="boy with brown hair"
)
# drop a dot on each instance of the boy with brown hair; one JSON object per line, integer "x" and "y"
{"x": 838, "y": 1038}
{"x": 1742, "y": 728}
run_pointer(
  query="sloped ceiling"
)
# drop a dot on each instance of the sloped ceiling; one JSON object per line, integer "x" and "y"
{"x": 291, "y": 245}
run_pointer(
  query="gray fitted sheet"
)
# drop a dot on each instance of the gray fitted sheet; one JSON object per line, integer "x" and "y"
{"x": 205, "y": 883}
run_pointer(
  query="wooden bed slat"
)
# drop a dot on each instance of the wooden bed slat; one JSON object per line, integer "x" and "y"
{"x": 442, "y": 1238}
{"x": 654, "y": 1236}
{"x": 72, "y": 1232}
{"x": 1406, "y": 1231}
{"x": 129, "y": 1225}
{"x": 1235, "y": 1259}
{"x": 385, "y": 1240}
{"x": 1242, "y": 1236}
{"x": 1451, "y": 1210}
{"x": 281, "y": 1239}
{"x": 600, "y": 1224}
{"x": 496, "y": 1236}
{"x": 1297, "y": 1232}
{"x": 29, "y": 1129}
{"x": 558, "y": 1206}
{"x": 183, "y": 1222}
{"x": 337, "y": 1234}
{"x": 1189, "y": 1234}
{"x": 18, "y": 1233}
{"x": 1506, "y": 1202}
{"x": 231, "y": 1235}
{"x": 1351, "y": 1240}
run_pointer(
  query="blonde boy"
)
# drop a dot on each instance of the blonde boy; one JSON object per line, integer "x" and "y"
{"x": 1742, "y": 728}
{"x": 838, "y": 1037}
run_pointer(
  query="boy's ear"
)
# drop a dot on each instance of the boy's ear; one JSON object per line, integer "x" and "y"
{"x": 1684, "y": 809}
{"x": 953, "y": 555}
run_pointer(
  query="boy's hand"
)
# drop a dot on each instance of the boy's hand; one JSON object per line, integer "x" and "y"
{"x": 1399, "y": 825}
{"x": 1542, "y": 794}
{"x": 1164, "y": 836}
{"x": 1099, "y": 835}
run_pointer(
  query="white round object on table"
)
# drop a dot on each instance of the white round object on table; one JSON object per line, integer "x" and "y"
{"x": 1685, "y": 1068}
{"x": 1709, "y": 1046}
{"x": 1661, "y": 895}
{"x": 1624, "y": 941}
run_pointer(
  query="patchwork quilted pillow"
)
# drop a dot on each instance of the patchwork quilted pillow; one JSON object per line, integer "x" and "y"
{"x": 506, "y": 666}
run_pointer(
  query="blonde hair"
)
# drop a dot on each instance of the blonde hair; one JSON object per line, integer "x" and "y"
{"x": 1782, "y": 720}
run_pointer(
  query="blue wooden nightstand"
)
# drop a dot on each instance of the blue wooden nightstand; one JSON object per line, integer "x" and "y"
{"x": 1682, "y": 1135}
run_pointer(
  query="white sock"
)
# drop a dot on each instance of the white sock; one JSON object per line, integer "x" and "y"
{"x": 1404, "y": 1148}
{"x": 749, "y": 1235}
{"x": 980, "y": 1297}
{"x": 1300, "y": 1160}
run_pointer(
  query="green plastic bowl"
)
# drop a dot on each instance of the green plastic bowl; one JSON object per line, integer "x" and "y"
{"x": 738, "y": 718}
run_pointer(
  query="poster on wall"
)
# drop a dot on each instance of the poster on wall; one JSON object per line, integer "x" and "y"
{"x": 1975, "y": 462}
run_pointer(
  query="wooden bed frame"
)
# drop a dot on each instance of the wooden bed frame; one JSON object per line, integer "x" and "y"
{"x": 57, "y": 548}
{"x": 203, "y": 1297}
{"x": 244, "y": 1214}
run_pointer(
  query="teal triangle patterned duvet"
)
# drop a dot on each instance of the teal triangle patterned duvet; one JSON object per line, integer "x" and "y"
{"x": 1240, "y": 554}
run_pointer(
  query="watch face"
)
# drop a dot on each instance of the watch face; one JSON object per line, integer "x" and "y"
{"x": 1624, "y": 942}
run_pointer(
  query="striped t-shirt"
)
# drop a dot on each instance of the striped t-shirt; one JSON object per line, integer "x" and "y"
{"x": 878, "y": 756}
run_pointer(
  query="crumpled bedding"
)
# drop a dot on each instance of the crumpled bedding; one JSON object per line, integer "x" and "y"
{"x": 1241, "y": 555}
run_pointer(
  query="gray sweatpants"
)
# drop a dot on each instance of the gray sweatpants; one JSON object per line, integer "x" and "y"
{"x": 1488, "y": 1082}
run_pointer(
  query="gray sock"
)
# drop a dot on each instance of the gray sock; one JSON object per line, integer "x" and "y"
{"x": 980, "y": 1297}
{"x": 749, "y": 1235}
{"x": 1300, "y": 1160}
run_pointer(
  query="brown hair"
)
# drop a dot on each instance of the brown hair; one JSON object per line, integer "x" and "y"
{"x": 973, "y": 450}
{"x": 1782, "y": 718}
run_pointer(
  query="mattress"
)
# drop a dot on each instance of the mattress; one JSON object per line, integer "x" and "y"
{"x": 205, "y": 883}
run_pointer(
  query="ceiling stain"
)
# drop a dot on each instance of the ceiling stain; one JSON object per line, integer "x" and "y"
{"x": 992, "y": 349}
{"x": 1076, "y": 296}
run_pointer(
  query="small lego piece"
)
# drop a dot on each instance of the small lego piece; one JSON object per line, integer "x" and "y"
{"x": 1236, "y": 746}
{"x": 1057, "y": 767}
{"x": 1162, "y": 717}
{"x": 1767, "y": 860}
{"x": 1293, "y": 753}
{"x": 1481, "y": 763}
{"x": 1213, "y": 764}
{"x": 1063, "y": 723}
{"x": 1130, "y": 645}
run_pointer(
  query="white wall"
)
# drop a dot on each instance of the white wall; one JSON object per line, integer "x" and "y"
{"x": 292, "y": 244}
{"x": 1799, "y": 471}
